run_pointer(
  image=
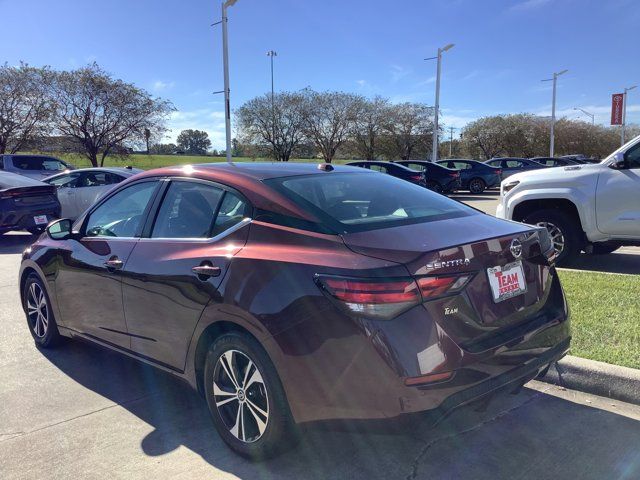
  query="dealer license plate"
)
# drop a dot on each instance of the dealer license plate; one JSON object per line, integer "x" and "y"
{"x": 507, "y": 281}
{"x": 40, "y": 219}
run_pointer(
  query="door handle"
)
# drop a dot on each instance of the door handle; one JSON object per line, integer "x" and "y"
{"x": 206, "y": 270}
{"x": 113, "y": 264}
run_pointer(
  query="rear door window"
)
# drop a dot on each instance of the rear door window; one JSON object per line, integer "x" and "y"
{"x": 379, "y": 168}
{"x": 514, "y": 163}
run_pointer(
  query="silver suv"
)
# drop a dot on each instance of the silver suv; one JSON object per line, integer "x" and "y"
{"x": 33, "y": 166}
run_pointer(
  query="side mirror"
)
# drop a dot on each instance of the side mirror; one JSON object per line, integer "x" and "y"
{"x": 60, "y": 229}
{"x": 619, "y": 162}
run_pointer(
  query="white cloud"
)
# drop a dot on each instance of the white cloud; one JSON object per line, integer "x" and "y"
{"x": 211, "y": 121}
{"x": 528, "y": 5}
{"x": 398, "y": 72}
{"x": 428, "y": 81}
{"x": 159, "y": 85}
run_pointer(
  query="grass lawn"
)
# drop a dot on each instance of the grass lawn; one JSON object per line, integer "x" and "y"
{"x": 147, "y": 162}
{"x": 605, "y": 311}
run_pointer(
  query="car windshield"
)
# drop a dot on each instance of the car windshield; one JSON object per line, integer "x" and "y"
{"x": 354, "y": 202}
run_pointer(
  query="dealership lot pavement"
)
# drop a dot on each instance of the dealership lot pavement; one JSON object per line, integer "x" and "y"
{"x": 81, "y": 412}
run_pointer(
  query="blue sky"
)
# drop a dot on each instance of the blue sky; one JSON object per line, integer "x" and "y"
{"x": 503, "y": 49}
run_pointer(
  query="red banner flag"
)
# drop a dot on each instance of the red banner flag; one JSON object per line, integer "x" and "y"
{"x": 616, "y": 108}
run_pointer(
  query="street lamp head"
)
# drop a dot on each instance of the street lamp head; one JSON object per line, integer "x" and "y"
{"x": 631, "y": 88}
{"x": 229, "y": 3}
{"x": 447, "y": 47}
{"x": 272, "y": 53}
{"x": 561, "y": 73}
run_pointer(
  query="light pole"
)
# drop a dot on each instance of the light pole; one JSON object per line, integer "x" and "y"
{"x": 434, "y": 155}
{"x": 624, "y": 111}
{"x": 451, "y": 129}
{"x": 593, "y": 117}
{"x": 553, "y": 107}
{"x": 225, "y": 61}
{"x": 272, "y": 53}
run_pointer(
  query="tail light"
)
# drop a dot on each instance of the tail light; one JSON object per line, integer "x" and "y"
{"x": 415, "y": 178}
{"x": 385, "y": 299}
{"x": 499, "y": 172}
{"x": 454, "y": 175}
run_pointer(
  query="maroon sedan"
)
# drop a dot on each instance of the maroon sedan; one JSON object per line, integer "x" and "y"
{"x": 290, "y": 293}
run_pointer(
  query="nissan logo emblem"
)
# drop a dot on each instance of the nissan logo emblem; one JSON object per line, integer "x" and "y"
{"x": 516, "y": 248}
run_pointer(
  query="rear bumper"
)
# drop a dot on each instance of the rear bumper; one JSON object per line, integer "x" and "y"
{"x": 360, "y": 373}
{"x": 21, "y": 218}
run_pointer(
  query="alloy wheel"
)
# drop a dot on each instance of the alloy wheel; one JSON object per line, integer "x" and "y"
{"x": 557, "y": 237}
{"x": 37, "y": 310}
{"x": 476, "y": 186}
{"x": 240, "y": 396}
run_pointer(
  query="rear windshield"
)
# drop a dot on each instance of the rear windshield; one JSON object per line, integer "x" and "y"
{"x": 354, "y": 202}
{"x": 39, "y": 163}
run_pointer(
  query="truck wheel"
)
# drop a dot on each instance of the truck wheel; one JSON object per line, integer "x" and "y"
{"x": 564, "y": 231}
{"x": 604, "y": 248}
{"x": 477, "y": 185}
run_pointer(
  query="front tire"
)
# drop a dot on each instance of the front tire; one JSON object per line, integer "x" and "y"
{"x": 477, "y": 185}
{"x": 246, "y": 399}
{"x": 564, "y": 230}
{"x": 40, "y": 319}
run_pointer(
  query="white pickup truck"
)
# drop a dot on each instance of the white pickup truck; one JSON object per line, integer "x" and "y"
{"x": 593, "y": 208}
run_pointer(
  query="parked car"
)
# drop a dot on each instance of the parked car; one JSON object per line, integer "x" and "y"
{"x": 554, "y": 161}
{"x": 511, "y": 165}
{"x": 591, "y": 208}
{"x": 79, "y": 189}
{"x": 268, "y": 291}
{"x": 37, "y": 167}
{"x": 439, "y": 179}
{"x": 26, "y": 204}
{"x": 394, "y": 170}
{"x": 474, "y": 176}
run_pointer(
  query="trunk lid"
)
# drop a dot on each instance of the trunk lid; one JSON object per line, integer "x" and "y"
{"x": 479, "y": 246}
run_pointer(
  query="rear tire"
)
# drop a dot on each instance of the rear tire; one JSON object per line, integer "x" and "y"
{"x": 248, "y": 404}
{"x": 435, "y": 186}
{"x": 40, "y": 319}
{"x": 477, "y": 185}
{"x": 564, "y": 230}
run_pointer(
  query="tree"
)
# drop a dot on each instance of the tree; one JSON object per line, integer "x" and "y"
{"x": 164, "y": 149}
{"x": 368, "y": 125}
{"x": 280, "y": 127}
{"x": 102, "y": 114}
{"x": 194, "y": 142}
{"x": 328, "y": 118}
{"x": 408, "y": 130}
{"x": 25, "y": 105}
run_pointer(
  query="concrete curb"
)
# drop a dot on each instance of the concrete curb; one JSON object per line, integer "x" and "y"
{"x": 597, "y": 378}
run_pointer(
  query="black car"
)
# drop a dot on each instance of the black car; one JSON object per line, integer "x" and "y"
{"x": 439, "y": 179}
{"x": 554, "y": 161}
{"x": 474, "y": 176}
{"x": 580, "y": 158}
{"x": 511, "y": 165}
{"x": 394, "y": 170}
{"x": 26, "y": 204}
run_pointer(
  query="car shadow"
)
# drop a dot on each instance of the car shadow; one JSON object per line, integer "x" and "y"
{"x": 15, "y": 242}
{"x": 617, "y": 262}
{"x": 532, "y": 435}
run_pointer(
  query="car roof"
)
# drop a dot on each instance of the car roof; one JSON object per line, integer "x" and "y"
{"x": 247, "y": 178}
{"x": 127, "y": 172}
{"x": 427, "y": 162}
{"x": 13, "y": 180}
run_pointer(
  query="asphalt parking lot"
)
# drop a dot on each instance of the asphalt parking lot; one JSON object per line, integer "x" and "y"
{"x": 81, "y": 412}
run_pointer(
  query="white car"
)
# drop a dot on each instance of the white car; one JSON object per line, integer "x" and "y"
{"x": 79, "y": 189}
{"x": 593, "y": 208}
